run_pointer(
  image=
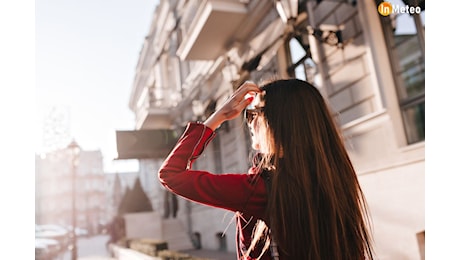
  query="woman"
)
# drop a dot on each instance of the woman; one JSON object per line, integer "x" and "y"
{"x": 301, "y": 199}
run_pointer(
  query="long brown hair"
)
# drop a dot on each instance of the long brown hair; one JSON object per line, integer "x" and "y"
{"x": 316, "y": 208}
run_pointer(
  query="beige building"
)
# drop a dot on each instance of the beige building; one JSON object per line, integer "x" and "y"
{"x": 368, "y": 66}
{"x": 55, "y": 180}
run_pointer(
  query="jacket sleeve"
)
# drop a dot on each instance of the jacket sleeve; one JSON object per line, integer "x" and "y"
{"x": 232, "y": 191}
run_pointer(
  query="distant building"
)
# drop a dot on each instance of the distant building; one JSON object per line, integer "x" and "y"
{"x": 370, "y": 70}
{"x": 53, "y": 189}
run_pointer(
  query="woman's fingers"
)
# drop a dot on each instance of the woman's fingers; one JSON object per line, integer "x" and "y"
{"x": 234, "y": 105}
{"x": 244, "y": 95}
{"x": 238, "y": 101}
{"x": 245, "y": 88}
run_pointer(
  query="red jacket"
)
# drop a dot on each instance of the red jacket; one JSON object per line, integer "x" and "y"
{"x": 244, "y": 194}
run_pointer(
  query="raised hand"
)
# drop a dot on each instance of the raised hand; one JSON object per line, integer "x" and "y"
{"x": 234, "y": 105}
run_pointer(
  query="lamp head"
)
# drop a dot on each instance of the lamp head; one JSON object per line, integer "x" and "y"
{"x": 74, "y": 147}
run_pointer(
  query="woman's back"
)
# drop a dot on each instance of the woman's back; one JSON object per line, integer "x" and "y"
{"x": 315, "y": 206}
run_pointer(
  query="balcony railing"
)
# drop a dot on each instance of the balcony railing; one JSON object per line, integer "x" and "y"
{"x": 158, "y": 98}
{"x": 154, "y": 107}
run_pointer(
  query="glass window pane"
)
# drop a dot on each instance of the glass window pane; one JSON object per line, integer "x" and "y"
{"x": 403, "y": 22}
{"x": 300, "y": 72}
{"x": 414, "y": 120}
{"x": 297, "y": 52}
{"x": 411, "y": 65}
{"x": 407, "y": 46}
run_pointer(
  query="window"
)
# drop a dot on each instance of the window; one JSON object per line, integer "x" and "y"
{"x": 405, "y": 36}
{"x": 302, "y": 66}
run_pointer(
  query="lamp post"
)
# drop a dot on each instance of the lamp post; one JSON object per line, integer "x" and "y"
{"x": 75, "y": 150}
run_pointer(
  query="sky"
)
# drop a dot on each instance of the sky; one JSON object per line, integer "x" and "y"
{"x": 86, "y": 56}
{"x": 80, "y": 54}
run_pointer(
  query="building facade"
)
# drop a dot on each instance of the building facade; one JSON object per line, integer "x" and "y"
{"x": 54, "y": 194}
{"x": 369, "y": 65}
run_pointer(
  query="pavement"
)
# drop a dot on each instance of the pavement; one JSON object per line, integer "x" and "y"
{"x": 211, "y": 254}
{"x": 90, "y": 248}
{"x": 94, "y": 248}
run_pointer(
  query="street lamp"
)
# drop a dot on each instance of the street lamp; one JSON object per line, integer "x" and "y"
{"x": 288, "y": 10}
{"x": 75, "y": 150}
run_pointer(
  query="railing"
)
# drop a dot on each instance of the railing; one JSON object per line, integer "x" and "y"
{"x": 160, "y": 98}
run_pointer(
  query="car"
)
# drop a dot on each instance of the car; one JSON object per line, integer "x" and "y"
{"x": 79, "y": 232}
{"x": 54, "y": 232}
{"x": 50, "y": 228}
{"x": 46, "y": 248}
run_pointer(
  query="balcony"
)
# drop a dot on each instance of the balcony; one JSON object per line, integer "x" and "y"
{"x": 154, "y": 108}
{"x": 210, "y": 30}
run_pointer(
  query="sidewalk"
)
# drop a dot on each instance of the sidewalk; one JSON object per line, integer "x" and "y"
{"x": 96, "y": 258}
{"x": 211, "y": 254}
{"x": 130, "y": 254}
{"x": 90, "y": 248}
{"x": 94, "y": 248}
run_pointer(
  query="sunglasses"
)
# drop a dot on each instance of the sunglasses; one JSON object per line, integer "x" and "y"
{"x": 251, "y": 113}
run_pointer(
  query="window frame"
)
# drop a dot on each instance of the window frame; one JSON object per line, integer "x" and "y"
{"x": 409, "y": 102}
{"x": 293, "y": 65}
